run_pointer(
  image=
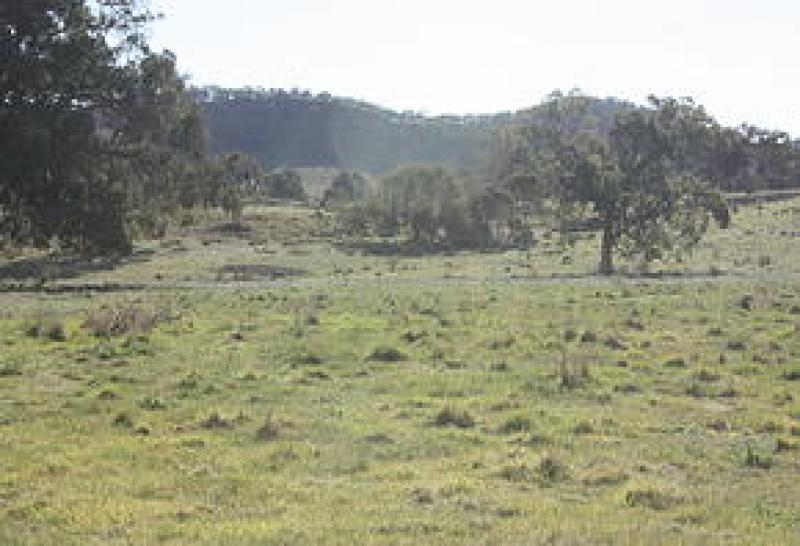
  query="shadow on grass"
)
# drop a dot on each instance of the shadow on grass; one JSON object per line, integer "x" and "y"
{"x": 66, "y": 267}
{"x": 247, "y": 272}
{"x": 229, "y": 229}
{"x": 409, "y": 249}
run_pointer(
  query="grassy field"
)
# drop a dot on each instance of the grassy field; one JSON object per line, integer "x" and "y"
{"x": 270, "y": 385}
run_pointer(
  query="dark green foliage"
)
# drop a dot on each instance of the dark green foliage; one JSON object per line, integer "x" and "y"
{"x": 638, "y": 184}
{"x": 216, "y": 421}
{"x": 792, "y": 375}
{"x": 97, "y": 134}
{"x": 9, "y": 369}
{"x": 583, "y": 427}
{"x": 269, "y": 430}
{"x": 293, "y": 128}
{"x": 552, "y": 469}
{"x": 675, "y": 363}
{"x": 428, "y": 202}
{"x": 345, "y": 187}
{"x": 515, "y": 424}
{"x": 736, "y": 345}
{"x": 306, "y": 358}
{"x": 387, "y": 354}
{"x": 48, "y": 328}
{"x": 57, "y": 77}
{"x": 453, "y": 417}
{"x": 123, "y": 420}
{"x": 285, "y": 184}
{"x": 152, "y": 403}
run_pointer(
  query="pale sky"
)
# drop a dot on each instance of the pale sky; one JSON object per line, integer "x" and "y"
{"x": 739, "y": 58}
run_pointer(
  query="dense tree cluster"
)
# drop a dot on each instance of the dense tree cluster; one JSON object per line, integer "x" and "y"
{"x": 298, "y": 129}
{"x": 97, "y": 134}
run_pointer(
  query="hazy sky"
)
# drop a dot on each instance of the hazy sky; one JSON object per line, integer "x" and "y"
{"x": 739, "y": 58}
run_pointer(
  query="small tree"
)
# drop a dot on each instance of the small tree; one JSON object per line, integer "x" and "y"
{"x": 345, "y": 187}
{"x": 431, "y": 202}
{"x": 285, "y": 184}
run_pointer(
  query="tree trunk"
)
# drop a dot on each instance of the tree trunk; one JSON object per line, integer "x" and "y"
{"x": 607, "y": 249}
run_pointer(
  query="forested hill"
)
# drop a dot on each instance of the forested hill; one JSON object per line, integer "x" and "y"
{"x": 299, "y": 129}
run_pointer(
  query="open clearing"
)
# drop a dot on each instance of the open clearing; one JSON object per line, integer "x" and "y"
{"x": 277, "y": 386}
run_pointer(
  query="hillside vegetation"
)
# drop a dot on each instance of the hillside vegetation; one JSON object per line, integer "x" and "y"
{"x": 300, "y": 129}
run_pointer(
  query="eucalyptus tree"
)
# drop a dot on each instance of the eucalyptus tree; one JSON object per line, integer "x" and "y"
{"x": 93, "y": 125}
{"x": 639, "y": 181}
{"x": 430, "y": 201}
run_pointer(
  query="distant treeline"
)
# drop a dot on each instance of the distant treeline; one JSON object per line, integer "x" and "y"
{"x": 296, "y": 128}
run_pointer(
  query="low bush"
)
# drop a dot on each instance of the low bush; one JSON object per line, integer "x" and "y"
{"x": 653, "y": 499}
{"x": 269, "y": 430}
{"x": 123, "y": 320}
{"x": 387, "y": 354}
{"x": 452, "y": 417}
{"x": 515, "y": 424}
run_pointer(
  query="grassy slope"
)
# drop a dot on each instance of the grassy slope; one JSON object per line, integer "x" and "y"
{"x": 680, "y": 423}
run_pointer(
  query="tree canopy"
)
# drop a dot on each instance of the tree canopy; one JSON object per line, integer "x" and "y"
{"x": 96, "y": 130}
{"x": 641, "y": 182}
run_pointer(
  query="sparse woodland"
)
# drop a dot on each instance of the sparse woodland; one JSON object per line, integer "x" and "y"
{"x": 249, "y": 316}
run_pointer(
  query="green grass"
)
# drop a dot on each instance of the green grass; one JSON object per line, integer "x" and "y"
{"x": 430, "y": 404}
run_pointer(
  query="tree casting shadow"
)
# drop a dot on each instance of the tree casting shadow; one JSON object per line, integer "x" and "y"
{"x": 66, "y": 267}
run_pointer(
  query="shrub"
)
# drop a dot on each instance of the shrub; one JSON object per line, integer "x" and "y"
{"x": 572, "y": 375}
{"x": 387, "y": 354}
{"x": 627, "y": 388}
{"x": 634, "y": 324}
{"x": 216, "y": 421}
{"x": 517, "y": 423}
{"x": 736, "y": 345}
{"x": 452, "y": 417}
{"x": 285, "y": 184}
{"x": 747, "y": 302}
{"x": 152, "y": 403}
{"x": 499, "y": 367}
{"x": 125, "y": 320}
{"x": 707, "y": 376}
{"x": 47, "y": 328}
{"x": 583, "y": 427}
{"x": 783, "y": 445}
{"x": 675, "y": 363}
{"x": 123, "y": 420}
{"x": 615, "y": 344}
{"x": 551, "y": 469}
{"x": 650, "y": 498}
{"x": 517, "y": 473}
{"x": 306, "y": 358}
{"x": 269, "y": 430}
{"x": 9, "y": 369}
{"x": 754, "y": 459}
{"x": 792, "y": 375}
{"x": 605, "y": 478}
